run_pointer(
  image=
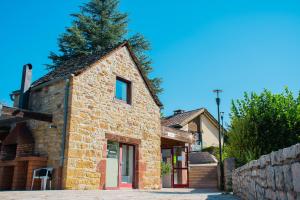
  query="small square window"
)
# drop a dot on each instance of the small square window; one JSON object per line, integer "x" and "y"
{"x": 123, "y": 90}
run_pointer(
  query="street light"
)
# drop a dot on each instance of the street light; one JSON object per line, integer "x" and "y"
{"x": 218, "y": 101}
{"x": 223, "y": 132}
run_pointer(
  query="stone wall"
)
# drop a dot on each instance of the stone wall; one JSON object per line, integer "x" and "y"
{"x": 49, "y": 99}
{"x": 272, "y": 176}
{"x": 96, "y": 113}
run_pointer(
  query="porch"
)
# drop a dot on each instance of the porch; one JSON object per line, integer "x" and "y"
{"x": 175, "y": 155}
{"x": 188, "y": 169}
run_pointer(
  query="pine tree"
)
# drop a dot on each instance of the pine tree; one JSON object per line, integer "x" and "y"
{"x": 97, "y": 27}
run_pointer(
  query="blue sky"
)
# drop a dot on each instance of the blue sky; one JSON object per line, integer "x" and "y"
{"x": 197, "y": 45}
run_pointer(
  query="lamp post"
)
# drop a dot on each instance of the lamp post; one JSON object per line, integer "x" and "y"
{"x": 218, "y": 101}
{"x": 223, "y": 132}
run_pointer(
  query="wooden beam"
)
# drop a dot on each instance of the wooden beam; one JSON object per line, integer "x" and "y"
{"x": 19, "y": 114}
{"x": 178, "y": 135}
{"x": 8, "y": 121}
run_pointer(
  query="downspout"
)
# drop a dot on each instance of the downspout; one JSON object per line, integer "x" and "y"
{"x": 65, "y": 125}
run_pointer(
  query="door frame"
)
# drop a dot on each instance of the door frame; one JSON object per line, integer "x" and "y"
{"x": 173, "y": 185}
{"x": 181, "y": 168}
{"x": 172, "y": 171}
{"x": 126, "y": 185}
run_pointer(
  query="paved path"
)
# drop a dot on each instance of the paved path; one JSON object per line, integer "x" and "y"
{"x": 164, "y": 194}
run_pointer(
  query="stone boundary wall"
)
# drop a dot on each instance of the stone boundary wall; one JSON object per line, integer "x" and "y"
{"x": 272, "y": 176}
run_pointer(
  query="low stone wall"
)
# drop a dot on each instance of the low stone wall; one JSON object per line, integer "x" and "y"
{"x": 272, "y": 176}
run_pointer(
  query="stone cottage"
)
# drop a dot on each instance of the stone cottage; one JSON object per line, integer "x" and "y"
{"x": 96, "y": 120}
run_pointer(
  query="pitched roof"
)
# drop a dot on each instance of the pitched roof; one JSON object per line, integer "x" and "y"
{"x": 179, "y": 119}
{"x": 78, "y": 65}
{"x": 183, "y": 118}
{"x": 74, "y": 66}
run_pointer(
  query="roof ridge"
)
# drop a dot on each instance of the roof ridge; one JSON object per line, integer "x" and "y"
{"x": 194, "y": 110}
{"x": 94, "y": 56}
{"x": 79, "y": 64}
{"x": 184, "y": 112}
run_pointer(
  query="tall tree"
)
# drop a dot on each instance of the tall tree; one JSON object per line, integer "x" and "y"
{"x": 97, "y": 27}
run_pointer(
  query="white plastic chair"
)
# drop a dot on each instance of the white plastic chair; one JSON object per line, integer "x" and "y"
{"x": 44, "y": 174}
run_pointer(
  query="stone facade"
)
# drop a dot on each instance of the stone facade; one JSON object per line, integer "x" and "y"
{"x": 94, "y": 117}
{"x": 272, "y": 176}
{"x": 95, "y": 114}
{"x": 47, "y": 141}
{"x": 49, "y": 99}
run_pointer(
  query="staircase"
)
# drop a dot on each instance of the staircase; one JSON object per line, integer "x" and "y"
{"x": 203, "y": 176}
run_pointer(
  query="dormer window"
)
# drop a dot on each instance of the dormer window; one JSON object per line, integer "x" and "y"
{"x": 123, "y": 90}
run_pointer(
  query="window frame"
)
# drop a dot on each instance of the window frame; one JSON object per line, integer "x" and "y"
{"x": 128, "y": 90}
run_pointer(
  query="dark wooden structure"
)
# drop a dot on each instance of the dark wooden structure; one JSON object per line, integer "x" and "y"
{"x": 17, "y": 157}
{"x": 10, "y": 115}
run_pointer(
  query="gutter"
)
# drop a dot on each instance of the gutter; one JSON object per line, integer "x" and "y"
{"x": 65, "y": 125}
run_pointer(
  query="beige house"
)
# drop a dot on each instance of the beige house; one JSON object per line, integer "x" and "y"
{"x": 191, "y": 167}
{"x": 199, "y": 122}
{"x": 95, "y": 120}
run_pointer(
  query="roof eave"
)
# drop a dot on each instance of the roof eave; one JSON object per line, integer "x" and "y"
{"x": 146, "y": 80}
{"x": 185, "y": 122}
{"x": 135, "y": 59}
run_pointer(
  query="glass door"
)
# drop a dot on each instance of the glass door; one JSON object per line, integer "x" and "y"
{"x": 180, "y": 167}
{"x": 126, "y": 174}
{"x": 167, "y": 160}
{"x": 112, "y": 165}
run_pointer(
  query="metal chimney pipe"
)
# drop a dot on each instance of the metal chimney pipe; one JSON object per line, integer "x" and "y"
{"x": 25, "y": 86}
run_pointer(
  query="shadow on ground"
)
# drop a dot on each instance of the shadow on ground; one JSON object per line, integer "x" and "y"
{"x": 193, "y": 191}
{"x": 210, "y": 194}
{"x": 221, "y": 196}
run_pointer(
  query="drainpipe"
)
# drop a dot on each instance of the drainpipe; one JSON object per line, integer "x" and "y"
{"x": 64, "y": 130}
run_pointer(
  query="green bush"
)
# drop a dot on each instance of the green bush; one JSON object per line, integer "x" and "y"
{"x": 211, "y": 149}
{"x": 215, "y": 151}
{"x": 165, "y": 168}
{"x": 262, "y": 123}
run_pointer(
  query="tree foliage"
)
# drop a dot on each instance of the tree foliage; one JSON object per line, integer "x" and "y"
{"x": 96, "y": 28}
{"x": 262, "y": 123}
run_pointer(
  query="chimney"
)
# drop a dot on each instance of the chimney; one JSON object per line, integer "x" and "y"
{"x": 176, "y": 112}
{"x": 25, "y": 86}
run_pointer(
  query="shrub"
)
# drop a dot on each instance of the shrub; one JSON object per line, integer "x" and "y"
{"x": 165, "y": 168}
{"x": 262, "y": 123}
